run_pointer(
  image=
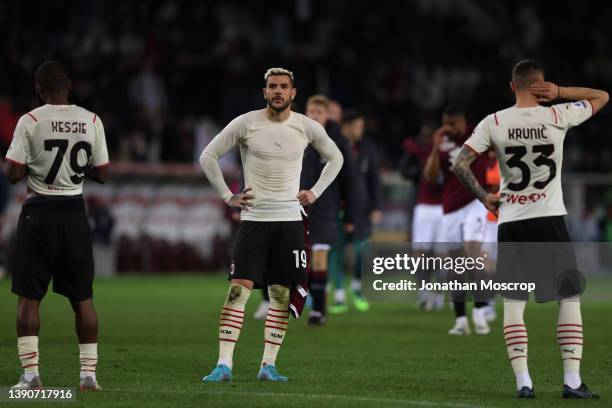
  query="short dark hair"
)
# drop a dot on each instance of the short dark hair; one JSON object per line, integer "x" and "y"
{"x": 454, "y": 110}
{"x": 350, "y": 116}
{"x": 526, "y": 73}
{"x": 52, "y": 77}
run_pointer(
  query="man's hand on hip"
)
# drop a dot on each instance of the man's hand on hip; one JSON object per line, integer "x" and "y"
{"x": 242, "y": 200}
{"x": 306, "y": 197}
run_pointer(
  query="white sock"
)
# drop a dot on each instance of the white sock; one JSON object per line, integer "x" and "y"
{"x": 570, "y": 340}
{"x": 230, "y": 322}
{"x": 88, "y": 356}
{"x": 356, "y": 285}
{"x": 29, "y": 376}
{"x": 572, "y": 379}
{"x": 523, "y": 380}
{"x": 339, "y": 296}
{"x": 27, "y": 347}
{"x": 276, "y": 323}
{"x": 515, "y": 336}
{"x": 478, "y": 313}
{"x": 424, "y": 295}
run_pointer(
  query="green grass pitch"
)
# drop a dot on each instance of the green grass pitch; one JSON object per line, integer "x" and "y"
{"x": 158, "y": 337}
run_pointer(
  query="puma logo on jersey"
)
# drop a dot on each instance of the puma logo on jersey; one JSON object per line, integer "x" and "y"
{"x": 524, "y": 199}
{"x": 278, "y": 144}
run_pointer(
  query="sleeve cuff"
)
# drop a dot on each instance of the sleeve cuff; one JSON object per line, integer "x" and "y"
{"x": 15, "y": 162}
{"x": 471, "y": 148}
{"x": 227, "y": 197}
{"x": 592, "y": 110}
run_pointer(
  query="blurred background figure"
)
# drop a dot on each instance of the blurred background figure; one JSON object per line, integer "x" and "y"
{"x": 101, "y": 222}
{"x": 367, "y": 214}
{"x": 463, "y": 219}
{"x": 427, "y": 234}
{"x": 323, "y": 216}
{"x": 335, "y": 111}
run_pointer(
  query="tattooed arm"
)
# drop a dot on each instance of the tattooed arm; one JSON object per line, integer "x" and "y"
{"x": 464, "y": 173}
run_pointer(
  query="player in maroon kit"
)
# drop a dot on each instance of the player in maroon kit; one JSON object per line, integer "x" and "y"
{"x": 464, "y": 217}
{"x": 427, "y": 214}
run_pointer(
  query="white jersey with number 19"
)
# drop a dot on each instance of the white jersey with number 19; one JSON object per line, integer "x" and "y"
{"x": 529, "y": 147}
{"x": 58, "y": 143}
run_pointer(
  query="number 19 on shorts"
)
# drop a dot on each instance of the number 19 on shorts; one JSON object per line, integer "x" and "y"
{"x": 300, "y": 258}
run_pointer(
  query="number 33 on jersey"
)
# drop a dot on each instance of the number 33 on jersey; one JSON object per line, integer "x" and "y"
{"x": 58, "y": 143}
{"x": 529, "y": 147}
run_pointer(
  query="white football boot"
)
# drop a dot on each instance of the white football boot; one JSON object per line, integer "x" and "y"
{"x": 490, "y": 313}
{"x": 462, "y": 327}
{"x": 480, "y": 321}
{"x": 262, "y": 310}
{"x": 34, "y": 384}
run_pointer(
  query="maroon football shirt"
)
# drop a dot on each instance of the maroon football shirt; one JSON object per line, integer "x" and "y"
{"x": 427, "y": 193}
{"x": 454, "y": 194}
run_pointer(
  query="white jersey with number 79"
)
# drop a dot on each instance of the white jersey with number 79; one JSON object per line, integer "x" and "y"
{"x": 58, "y": 143}
{"x": 529, "y": 147}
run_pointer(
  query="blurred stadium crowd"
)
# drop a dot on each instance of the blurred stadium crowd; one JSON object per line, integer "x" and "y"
{"x": 165, "y": 76}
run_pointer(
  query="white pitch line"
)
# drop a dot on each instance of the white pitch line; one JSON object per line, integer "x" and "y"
{"x": 313, "y": 396}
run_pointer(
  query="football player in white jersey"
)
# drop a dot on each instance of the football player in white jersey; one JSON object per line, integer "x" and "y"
{"x": 55, "y": 147}
{"x": 270, "y": 245}
{"x": 528, "y": 140}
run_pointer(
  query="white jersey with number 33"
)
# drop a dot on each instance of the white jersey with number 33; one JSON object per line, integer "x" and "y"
{"x": 58, "y": 143}
{"x": 529, "y": 147}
